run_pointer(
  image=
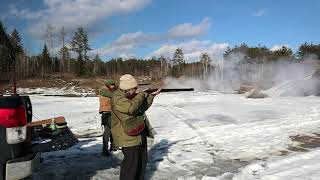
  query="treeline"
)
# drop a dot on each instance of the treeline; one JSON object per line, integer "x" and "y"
{"x": 262, "y": 54}
{"x": 72, "y": 57}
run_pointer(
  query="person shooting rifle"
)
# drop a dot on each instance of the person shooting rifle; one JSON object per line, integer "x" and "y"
{"x": 130, "y": 126}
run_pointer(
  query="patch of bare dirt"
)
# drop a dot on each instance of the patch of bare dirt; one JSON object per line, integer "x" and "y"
{"x": 305, "y": 143}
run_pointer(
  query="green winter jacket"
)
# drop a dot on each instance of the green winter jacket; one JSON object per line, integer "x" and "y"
{"x": 130, "y": 113}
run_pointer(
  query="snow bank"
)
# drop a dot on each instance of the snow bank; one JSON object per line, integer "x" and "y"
{"x": 58, "y": 91}
{"x": 302, "y": 87}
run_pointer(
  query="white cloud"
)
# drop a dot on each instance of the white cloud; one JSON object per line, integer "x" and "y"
{"x": 128, "y": 42}
{"x": 277, "y": 47}
{"x": 192, "y": 50}
{"x": 24, "y": 13}
{"x": 75, "y": 13}
{"x": 127, "y": 56}
{"x": 259, "y": 13}
{"x": 125, "y": 44}
{"x": 188, "y": 30}
{"x": 114, "y": 50}
{"x": 134, "y": 38}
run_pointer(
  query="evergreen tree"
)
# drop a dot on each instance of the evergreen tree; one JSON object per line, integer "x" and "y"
{"x": 79, "y": 44}
{"x": 4, "y": 53}
{"x": 177, "y": 62}
{"x": 8, "y": 53}
{"x": 45, "y": 61}
{"x": 307, "y": 50}
{"x": 15, "y": 40}
{"x": 86, "y": 46}
{"x": 248, "y": 55}
{"x": 283, "y": 52}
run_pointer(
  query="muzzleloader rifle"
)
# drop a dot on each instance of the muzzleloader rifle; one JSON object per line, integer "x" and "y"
{"x": 143, "y": 84}
{"x": 169, "y": 90}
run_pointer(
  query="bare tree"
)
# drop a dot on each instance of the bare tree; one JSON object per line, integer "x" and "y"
{"x": 206, "y": 61}
{"x": 164, "y": 66}
{"x": 49, "y": 40}
{"x": 64, "y": 60}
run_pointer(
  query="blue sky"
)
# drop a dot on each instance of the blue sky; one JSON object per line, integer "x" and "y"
{"x": 146, "y": 28}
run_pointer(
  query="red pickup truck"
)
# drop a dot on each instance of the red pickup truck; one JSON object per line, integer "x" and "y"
{"x": 15, "y": 161}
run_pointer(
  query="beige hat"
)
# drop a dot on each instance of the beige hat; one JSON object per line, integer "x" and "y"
{"x": 127, "y": 82}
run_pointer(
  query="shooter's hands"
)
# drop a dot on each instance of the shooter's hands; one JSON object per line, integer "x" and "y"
{"x": 156, "y": 92}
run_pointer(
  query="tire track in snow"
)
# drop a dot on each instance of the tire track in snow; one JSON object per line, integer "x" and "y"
{"x": 186, "y": 157}
{"x": 183, "y": 119}
{"x": 219, "y": 165}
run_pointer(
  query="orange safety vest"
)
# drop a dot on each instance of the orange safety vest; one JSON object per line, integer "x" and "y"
{"x": 105, "y": 104}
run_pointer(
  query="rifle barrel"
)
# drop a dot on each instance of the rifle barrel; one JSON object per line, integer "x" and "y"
{"x": 143, "y": 84}
{"x": 170, "y": 90}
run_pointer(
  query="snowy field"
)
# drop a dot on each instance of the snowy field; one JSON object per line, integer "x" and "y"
{"x": 200, "y": 135}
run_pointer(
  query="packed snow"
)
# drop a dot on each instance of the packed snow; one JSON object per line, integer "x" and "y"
{"x": 200, "y": 135}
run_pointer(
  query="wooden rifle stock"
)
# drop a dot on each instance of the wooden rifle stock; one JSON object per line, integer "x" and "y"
{"x": 58, "y": 120}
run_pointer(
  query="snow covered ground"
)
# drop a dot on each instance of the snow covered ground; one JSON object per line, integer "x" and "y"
{"x": 201, "y": 135}
{"x": 65, "y": 91}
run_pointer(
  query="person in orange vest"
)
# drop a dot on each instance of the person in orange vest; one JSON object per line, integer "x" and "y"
{"x": 105, "y": 95}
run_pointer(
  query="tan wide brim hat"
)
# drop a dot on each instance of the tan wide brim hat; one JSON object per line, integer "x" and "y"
{"x": 127, "y": 81}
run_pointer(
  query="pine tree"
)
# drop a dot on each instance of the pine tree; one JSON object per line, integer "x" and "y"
{"x": 16, "y": 41}
{"x": 79, "y": 44}
{"x": 283, "y": 52}
{"x": 307, "y": 50}
{"x": 86, "y": 46}
{"x": 45, "y": 60}
{"x": 10, "y": 59}
{"x": 18, "y": 52}
{"x": 177, "y": 62}
{"x": 4, "y": 54}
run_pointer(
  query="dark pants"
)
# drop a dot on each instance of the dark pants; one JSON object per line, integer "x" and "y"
{"x": 135, "y": 160}
{"x": 106, "y": 122}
